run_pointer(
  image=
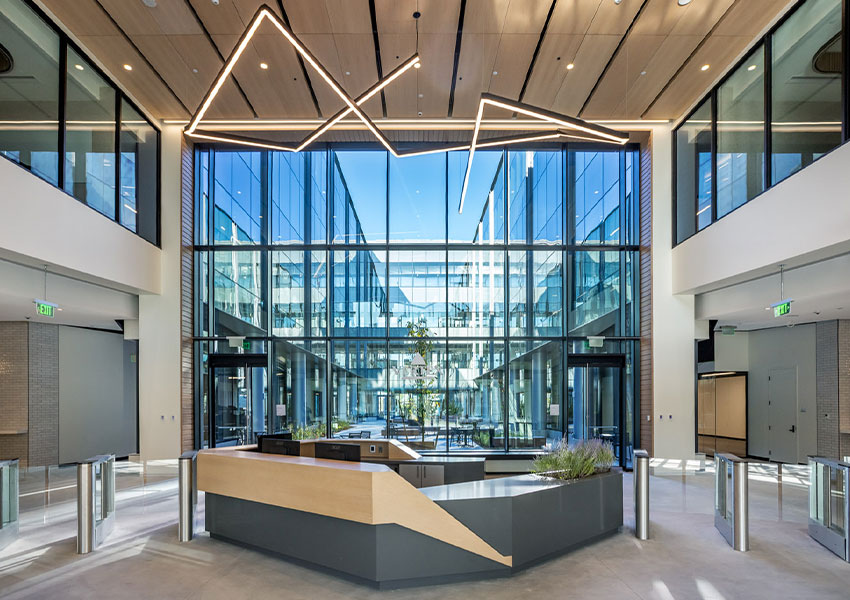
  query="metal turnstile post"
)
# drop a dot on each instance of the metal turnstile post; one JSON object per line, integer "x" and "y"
{"x": 188, "y": 495}
{"x": 731, "y": 500}
{"x": 95, "y": 521}
{"x": 641, "y": 492}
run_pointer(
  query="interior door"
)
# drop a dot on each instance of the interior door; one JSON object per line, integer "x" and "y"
{"x": 782, "y": 415}
{"x": 596, "y": 402}
{"x": 238, "y": 388}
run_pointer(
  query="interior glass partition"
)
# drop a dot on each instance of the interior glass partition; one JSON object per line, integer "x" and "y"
{"x": 449, "y": 330}
{"x": 779, "y": 109}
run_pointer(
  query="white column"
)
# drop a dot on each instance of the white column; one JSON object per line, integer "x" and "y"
{"x": 672, "y": 320}
{"x": 159, "y": 322}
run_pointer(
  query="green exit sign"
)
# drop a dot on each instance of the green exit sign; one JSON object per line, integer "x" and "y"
{"x": 246, "y": 345}
{"x": 45, "y": 309}
{"x": 780, "y": 309}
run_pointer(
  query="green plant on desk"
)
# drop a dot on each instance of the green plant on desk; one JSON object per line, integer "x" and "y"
{"x": 309, "y": 431}
{"x": 582, "y": 459}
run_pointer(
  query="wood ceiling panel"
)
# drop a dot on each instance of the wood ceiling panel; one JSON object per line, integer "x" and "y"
{"x": 82, "y": 17}
{"x": 614, "y": 19}
{"x": 113, "y": 52}
{"x": 280, "y": 90}
{"x": 633, "y": 58}
{"x": 660, "y": 17}
{"x": 308, "y": 17}
{"x": 221, "y": 19}
{"x": 324, "y": 49}
{"x": 750, "y": 17}
{"x": 435, "y": 76}
{"x": 511, "y": 65}
{"x": 700, "y": 16}
{"x": 590, "y": 60}
{"x": 573, "y": 17}
{"x": 357, "y": 58}
{"x": 692, "y": 82}
{"x": 246, "y": 9}
{"x": 171, "y": 17}
{"x": 475, "y": 68}
{"x": 485, "y": 16}
{"x": 396, "y": 16}
{"x": 402, "y": 99}
{"x": 550, "y": 69}
{"x": 526, "y": 16}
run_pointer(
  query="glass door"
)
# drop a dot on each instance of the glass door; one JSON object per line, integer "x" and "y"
{"x": 596, "y": 403}
{"x": 239, "y": 391}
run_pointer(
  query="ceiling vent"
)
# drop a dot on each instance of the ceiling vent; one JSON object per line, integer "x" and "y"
{"x": 6, "y": 62}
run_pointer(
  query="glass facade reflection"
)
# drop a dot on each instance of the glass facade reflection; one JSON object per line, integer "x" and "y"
{"x": 74, "y": 145}
{"x": 386, "y": 313}
{"x": 780, "y": 109}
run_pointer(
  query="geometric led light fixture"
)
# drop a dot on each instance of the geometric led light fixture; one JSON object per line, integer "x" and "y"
{"x": 568, "y": 127}
{"x": 564, "y": 127}
{"x": 353, "y": 106}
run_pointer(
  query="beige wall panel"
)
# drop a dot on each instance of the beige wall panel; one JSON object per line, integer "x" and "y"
{"x": 706, "y": 406}
{"x": 731, "y": 394}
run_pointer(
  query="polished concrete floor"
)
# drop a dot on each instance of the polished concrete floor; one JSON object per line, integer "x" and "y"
{"x": 685, "y": 558}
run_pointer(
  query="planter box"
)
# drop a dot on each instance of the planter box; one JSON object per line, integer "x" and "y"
{"x": 532, "y": 518}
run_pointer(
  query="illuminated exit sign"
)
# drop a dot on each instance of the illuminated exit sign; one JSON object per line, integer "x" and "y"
{"x": 45, "y": 309}
{"x": 780, "y": 309}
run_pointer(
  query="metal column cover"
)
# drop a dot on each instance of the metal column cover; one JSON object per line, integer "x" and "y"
{"x": 85, "y": 508}
{"x": 641, "y": 491}
{"x": 741, "y": 515}
{"x": 188, "y": 495}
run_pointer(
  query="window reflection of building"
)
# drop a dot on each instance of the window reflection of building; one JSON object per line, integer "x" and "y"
{"x": 499, "y": 304}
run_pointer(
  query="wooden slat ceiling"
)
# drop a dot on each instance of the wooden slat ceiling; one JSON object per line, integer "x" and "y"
{"x": 638, "y": 59}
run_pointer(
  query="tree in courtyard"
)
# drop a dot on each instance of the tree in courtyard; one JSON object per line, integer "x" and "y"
{"x": 422, "y": 376}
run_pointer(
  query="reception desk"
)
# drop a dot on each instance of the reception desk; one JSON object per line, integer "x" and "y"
{"x": 364, "y": 520}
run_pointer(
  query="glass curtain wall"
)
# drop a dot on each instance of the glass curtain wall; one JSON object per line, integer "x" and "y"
{"x": 118, "y": 176}
{"x": 780, "y": 109}
{"x": 388, "y": 313}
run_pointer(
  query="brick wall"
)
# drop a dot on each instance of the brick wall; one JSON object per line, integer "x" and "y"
{"x": 43, "y": 394}
{"x": 843, "y": 377}
{"x": 14, "y": 389}
{"x": 826, "y": 367}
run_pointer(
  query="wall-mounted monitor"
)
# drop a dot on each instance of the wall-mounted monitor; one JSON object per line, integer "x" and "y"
{"x": 335, "y": 451}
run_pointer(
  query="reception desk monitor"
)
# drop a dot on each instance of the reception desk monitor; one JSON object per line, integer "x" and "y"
{"x": 334, "y": 451}
{"x": 275, "y": 445}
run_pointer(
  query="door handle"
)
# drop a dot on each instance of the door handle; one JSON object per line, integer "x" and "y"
{"x": 793, "y": 429}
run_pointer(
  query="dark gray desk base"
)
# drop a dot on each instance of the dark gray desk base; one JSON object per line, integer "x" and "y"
{"x": 523, "y": 517}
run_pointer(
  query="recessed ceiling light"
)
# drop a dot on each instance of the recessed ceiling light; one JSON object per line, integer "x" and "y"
{"x": 705, "y": 67}
{"x": 78, "y": 67}
{"x": 495, "y": 72}
{"x": 264, "y": 66}
{"x": 751, "y": 68}
{"x": 684, "y": 2}
{"x": 194, "y": 70}
{"x": 128, "y": 67}
{"x": 617, "y": 1}
{"x": 348, "y": 72}
{"x": 417, "y": 65}
{"x": 643, "y": 72}
{"x": 570, "y": 67}
{"x": 149, "y": 3}
{"x": 421, "y": 95}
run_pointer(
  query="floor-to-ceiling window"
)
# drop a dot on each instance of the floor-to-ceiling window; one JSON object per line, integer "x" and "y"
{"x": 380, "y": 310}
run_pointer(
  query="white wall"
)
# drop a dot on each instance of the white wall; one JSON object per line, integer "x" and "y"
{"x": 802, "y": 219}
{"x": 673, "y": 326}
{"x": 159, "y": 323}
{"x": 732, "y": 352}
{"x": 782, "y": 348}
{"x": 97, "y": 408}
{"x": 42, "y": 225}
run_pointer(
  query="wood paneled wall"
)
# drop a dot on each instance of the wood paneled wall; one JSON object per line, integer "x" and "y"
{"x": 187, "y": 396}
{"x": 646, "y": 367}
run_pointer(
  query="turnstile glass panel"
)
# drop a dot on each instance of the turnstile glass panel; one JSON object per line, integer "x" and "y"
{"x": 837, "y": 494}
